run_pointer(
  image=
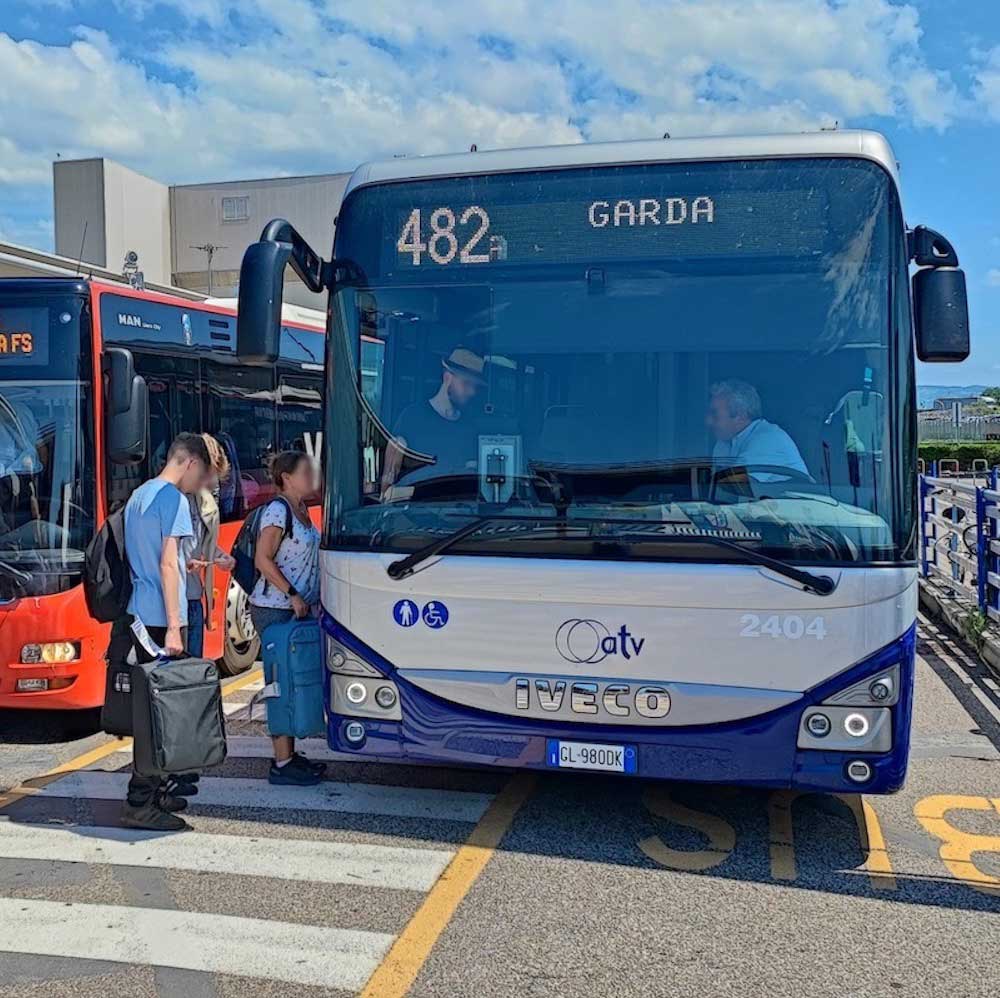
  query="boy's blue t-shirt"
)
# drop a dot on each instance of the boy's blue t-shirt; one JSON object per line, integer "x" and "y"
{"x": 155, "y": 511}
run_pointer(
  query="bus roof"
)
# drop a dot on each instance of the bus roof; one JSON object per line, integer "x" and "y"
{"x": 846, "y": 143}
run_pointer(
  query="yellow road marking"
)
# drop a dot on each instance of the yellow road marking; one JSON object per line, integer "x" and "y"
{"x": 877, "y": 863}
{"x": 720, "y": 834}
{"x": 397, "y": 972}
{"x": 781, "y": 836}
{"x": 88, "y": 758}
{"x": 957, "y": 847}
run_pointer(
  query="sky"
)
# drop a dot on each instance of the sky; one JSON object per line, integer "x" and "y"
{"x": 197, "y": 90}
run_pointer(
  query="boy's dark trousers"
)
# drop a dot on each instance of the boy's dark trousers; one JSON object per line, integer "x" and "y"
{"x": 143, "y": 789}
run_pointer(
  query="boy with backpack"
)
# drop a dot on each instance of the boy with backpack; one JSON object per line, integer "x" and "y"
{"x": 157, "y": 519}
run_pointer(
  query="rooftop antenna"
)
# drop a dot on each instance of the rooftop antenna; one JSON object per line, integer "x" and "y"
{"x": 666, "y": 135}
{"x": 473, "y": 148}
{"x": 830, "y": 128}
{"x": 83, "y": 241}
{"x": 209, "y": 249}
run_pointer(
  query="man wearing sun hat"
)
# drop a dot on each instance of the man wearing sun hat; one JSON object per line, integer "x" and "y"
{"x": 438, "y": 426}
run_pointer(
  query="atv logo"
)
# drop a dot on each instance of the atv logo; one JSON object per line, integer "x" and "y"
{"x": 585, "y": 642}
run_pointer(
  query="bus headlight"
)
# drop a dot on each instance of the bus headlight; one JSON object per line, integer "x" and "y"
{"x": 385, "y": 697}
{"x": 356, "y": 693}
{"x": 361, "y": 696}
{"x": 818, "y": 725}
{"x": 51, "y": 653}
{"x": 856, "y": 725}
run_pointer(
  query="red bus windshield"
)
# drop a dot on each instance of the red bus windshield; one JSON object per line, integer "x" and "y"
{"x": 47, "y": 493}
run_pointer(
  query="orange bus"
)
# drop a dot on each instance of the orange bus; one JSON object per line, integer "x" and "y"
{"x": 95, "y": 380}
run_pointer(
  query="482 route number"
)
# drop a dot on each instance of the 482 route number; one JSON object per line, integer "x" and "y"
{"x": 781, "y": 626}
{"x": 443, "y": 244}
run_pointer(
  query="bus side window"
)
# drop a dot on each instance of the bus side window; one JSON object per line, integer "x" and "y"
{"x": 300, "y": 415}
{"x": 240, "y": 414}
{"x": 173, "y": 385}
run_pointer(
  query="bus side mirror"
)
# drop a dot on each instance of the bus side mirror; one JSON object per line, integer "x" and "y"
{"x": 940, "y": 302}
{"x": 262, "y": 278}
{"x": 127, "y": 416}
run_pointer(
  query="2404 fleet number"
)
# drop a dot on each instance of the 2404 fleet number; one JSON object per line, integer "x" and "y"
{"x": 780, "y": 626}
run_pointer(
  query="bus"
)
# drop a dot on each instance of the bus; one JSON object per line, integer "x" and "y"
{"x": 95, "y": 380}
{"x": 625, "y": 479}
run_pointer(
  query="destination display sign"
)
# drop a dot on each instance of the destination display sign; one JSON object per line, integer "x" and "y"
{"x": 24, "y": 336}
{"x": 607, "y": 227}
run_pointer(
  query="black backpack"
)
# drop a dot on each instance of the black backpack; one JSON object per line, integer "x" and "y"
{"x": 107, "y": 584}
{"x": 245, "y": 573}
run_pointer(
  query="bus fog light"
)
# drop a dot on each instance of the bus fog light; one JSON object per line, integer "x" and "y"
{"x": 357, "y": 693}
{"x": 354, "y": 732}
{"x": 385, "y": 696}
{"x": 881, "y": 689}
{"x": 856, "y": 725}
{"x": 858, "y": 771}
{"x": 31, "y": 654}
{"x": 818, "y": 725}
{"x": 337, "y": 658}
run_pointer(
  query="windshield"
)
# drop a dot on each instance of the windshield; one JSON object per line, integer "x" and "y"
{"x": 46, "y": 444}
{"x": 650, "y": 350}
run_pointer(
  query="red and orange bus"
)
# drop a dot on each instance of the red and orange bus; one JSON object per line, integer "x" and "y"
{"x": 95, "y": 380}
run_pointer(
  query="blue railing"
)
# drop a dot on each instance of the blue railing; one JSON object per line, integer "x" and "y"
{"x": 960, "y": 535}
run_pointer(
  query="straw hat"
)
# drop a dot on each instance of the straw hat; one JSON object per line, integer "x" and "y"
{"x": 465, "y": 364}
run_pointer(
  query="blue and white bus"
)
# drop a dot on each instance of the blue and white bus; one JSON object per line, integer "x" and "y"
{"x": 620, "y": 456}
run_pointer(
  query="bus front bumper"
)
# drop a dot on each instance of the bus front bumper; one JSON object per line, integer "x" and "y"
{"x": 759, "y": 751}
{"x": 58, "y": 620}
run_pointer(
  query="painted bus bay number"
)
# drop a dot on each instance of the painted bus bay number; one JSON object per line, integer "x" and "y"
{"x": 776, "y": 626}
{"x": 443, "y": 244}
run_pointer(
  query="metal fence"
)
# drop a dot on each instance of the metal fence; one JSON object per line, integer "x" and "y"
{"x": 960, "y": 536}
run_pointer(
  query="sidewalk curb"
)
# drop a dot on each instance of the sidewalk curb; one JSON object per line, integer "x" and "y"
{"x": 953, "y": 610}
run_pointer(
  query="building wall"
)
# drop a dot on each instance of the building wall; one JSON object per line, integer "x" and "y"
{"x": 137, "y": 217}
{"x": 78, "y": 194}
{"x": 197, "y": 219}
{"x": 119, "y": 209}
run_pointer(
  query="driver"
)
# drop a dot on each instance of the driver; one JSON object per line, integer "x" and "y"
{"x": 439, "y": 425}
{"x": 743, "y": 437}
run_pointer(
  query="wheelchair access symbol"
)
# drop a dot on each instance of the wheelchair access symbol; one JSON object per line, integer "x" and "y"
{"x": 405, "y": 613}
{"x": 435, "y": 615}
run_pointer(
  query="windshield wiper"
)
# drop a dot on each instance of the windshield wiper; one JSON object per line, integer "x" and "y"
{"x": 822, "y": 585}
{"x": 404, "y": 567}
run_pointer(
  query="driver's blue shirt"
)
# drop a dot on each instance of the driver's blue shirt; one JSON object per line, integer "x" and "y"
{"x": 760, "y": 443}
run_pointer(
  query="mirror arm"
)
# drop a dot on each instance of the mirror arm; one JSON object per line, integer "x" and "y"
{"x": 310, "y": 267}
{"x": 928, "y": 248}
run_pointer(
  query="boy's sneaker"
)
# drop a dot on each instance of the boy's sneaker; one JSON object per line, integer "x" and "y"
{"x": 151, "y": 818}
{"x": 319, "y": 768}
{"x": 292, "y": 774}
{"x": 169, "y": 803}
{"x": 182, "y": 786}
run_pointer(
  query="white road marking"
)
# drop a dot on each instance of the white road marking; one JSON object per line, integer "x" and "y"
{"x": 304, "y": 860}
{"x": 354, "y": 798}
{"x": 259, "y": 747}
{"x": 223, "y": 944}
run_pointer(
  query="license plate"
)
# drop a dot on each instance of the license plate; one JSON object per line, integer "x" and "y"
{"x": 590, "y": 755}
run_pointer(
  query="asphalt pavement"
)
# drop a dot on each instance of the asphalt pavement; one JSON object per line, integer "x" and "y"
{"x": 444, "y": 883}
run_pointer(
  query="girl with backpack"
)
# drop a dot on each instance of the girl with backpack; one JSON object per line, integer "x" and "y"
{"x": 287, "y": 557}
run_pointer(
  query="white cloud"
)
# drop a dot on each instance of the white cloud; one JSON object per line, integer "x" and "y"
{"x": 988, "y": 83}
{"x": 323, "y": 84}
